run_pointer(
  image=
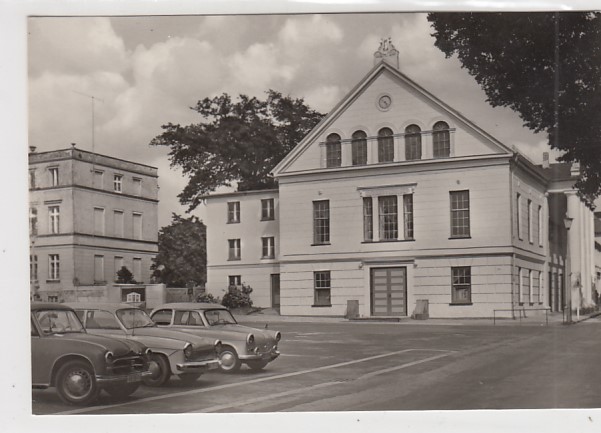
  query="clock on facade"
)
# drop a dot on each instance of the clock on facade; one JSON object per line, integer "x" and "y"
{"x": 384, "y": 102}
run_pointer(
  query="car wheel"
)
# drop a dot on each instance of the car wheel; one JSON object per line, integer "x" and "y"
{"x": 257, "y": 364}
{"x": 76, "y": 383}
{"x": 123, "y": 390}
{"x": 189, "y": 378}
{"x": 161, "y": 376}
{"x": 229, "y": 361}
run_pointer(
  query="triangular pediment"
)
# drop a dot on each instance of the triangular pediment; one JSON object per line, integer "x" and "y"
{"x": 386, "y": 98}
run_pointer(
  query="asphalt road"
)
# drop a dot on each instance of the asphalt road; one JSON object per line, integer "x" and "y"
{"x": 388, "y": 366}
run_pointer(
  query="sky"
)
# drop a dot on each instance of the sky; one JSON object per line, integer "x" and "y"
{"x": 146, "y": 71}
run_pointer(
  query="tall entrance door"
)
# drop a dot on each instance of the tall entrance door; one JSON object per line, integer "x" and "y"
{"x": 389, "y": 291}
{"x": 275, "y": 291}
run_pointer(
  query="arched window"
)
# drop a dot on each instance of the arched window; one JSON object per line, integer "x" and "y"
{"x": 385, "y": 145}
{"x": 413, "y": 142}
{"x": 359, "y": 148}
{"x": 441, "y": 140}
{"x": 333, "y": 151}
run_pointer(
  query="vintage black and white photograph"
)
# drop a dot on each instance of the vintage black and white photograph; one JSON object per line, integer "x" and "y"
{"x": 309, "y": 213}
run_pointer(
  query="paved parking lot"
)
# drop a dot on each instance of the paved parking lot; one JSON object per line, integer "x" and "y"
{"x": 340, "y": 366}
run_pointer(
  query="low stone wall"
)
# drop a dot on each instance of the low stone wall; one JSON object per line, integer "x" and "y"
{"x": 84, "y": 294}
{"x": 178, "y": 294}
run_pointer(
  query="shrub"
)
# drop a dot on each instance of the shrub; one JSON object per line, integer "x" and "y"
{"x": 238, "y": 297}
{"x": 207, "y": 297}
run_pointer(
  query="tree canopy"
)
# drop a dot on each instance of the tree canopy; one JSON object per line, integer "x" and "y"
{"x": 182, "y": 257}
{"x": 237, "y": 143}
{"x": 513, "y": 56}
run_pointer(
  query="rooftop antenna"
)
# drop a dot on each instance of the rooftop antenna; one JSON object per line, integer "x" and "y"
{"x": 93, "y": 99}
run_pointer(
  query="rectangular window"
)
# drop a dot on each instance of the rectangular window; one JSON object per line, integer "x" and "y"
{"x": 519, "y": 215}
{"x": 530, "y": 286}
{"x": 54, "y": 267}
{"x": 98, "y": 179}
{"x": 461, "y": 285}
{"x": 460, "y": 214}
{"x": 233, "y": 212}
{"x": 540, "y": 226}
{"x": 368, "y": 219}
{"x": 234, "y": 249}
{"x": 52, "y": 298}
{"x": 137, "y": 225}
{"x": 33, "y": 267}
{"x": 54, "y": 218}
{"x": 118, "y": 220}
{"x": 137, "y": 186}
{"x": 268, "y": 247}
{"x": 99, "y": 221}
{"x": 408, "y": 215}
{"x": 118, "y": 266}
{"x": 118, "y": 183}
{"x": 530, "y": 231}
{"x": 137, "y": 271}
{"x": 521, "y": 285}
{"x": 389, "y": 218}
{"x": 54, "y": 180}
{"x": 99, "y": 269}
{"x": 321, "y": 222}
{"x": 31, "y": 179}
{"x": 267, "y": 209}
{"x": 540, "y": 287}
{"x": 322, "y": 288}
{"x": 33, "y": 221}
{"x": 234, "y": 280}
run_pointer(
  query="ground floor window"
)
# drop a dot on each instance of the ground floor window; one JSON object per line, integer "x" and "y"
{"x": 461, "y": 281}
{"x": 322, "y": 284}
{"x": 234, "y": 280}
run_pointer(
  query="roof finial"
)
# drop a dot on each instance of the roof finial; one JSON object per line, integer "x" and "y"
{"x": 387, "y": 53}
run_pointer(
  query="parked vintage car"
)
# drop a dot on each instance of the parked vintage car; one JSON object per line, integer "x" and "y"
{"x": 79, "y": 364}
{"x": 175, "y": 352}
{"x": 241, "y": 344}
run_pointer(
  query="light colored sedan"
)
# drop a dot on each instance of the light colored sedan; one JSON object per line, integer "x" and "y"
{"x": 176, "y": 353}
{"x": 241, "y": 344}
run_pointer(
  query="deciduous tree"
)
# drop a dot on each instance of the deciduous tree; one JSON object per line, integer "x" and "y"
{"x": 520, "y": 58}
{"x": 182, "y": 257}
{"x": 236, "y": 143}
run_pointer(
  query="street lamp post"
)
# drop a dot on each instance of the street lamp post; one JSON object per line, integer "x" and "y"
{"x": 567, "y": 221}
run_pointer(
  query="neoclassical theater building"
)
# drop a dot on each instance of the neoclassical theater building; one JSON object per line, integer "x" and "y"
{"x": 394, "y": 198}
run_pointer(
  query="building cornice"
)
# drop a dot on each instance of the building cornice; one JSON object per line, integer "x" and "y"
{"x": 98, "y": 190}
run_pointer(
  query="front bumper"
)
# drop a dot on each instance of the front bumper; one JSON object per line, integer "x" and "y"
{"x": 198, "y": 366}
{"x": 123, "y": 378}
{"x": 265, "y": 356}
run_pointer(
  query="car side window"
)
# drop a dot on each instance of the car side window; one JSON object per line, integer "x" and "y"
{"x": 162, "y": 317}
{"x": 194, "y": 319}
{"x": 181, "y": 318}
{"x": 97, "y": 319}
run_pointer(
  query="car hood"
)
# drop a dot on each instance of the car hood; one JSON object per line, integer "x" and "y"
{"x": 119, "y": 346}
{"x": 197, "y": 341}
{"x": 233, "y": 333}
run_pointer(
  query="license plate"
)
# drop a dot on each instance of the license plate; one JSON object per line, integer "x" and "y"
{"x": 136, "y": 377}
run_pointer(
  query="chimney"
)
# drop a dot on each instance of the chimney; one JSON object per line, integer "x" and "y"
{"x": 387, "y": 53}
{"x": 545, "y": 159}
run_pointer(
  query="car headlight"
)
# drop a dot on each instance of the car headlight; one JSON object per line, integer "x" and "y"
{"x": 278, "y": 336}
{"x": 147, "y": 351}
{"x": 250, "y": 339}
{"x": 188, "y": 351}
{"x": 109, "y": 357}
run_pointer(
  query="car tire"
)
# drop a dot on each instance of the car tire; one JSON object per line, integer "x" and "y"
{"x": 189, "y": 378}
{"x": 76, "y": 383}
{"x": 258, "y": 364}
{"x": 228, "y": 360}
{"x": 123, "y": 390}
{"x": 163, "y": 374}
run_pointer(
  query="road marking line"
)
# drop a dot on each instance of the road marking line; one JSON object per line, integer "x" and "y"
{"x": 247, "y": 382}
{"x": 265, "y": 398}
{"x": 400, "y": 367}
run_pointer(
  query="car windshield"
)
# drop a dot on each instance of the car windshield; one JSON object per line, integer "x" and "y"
{"x": 134, "y": 318}
{"x": 219, "y": 317}
{"x": 58, "y": 322}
